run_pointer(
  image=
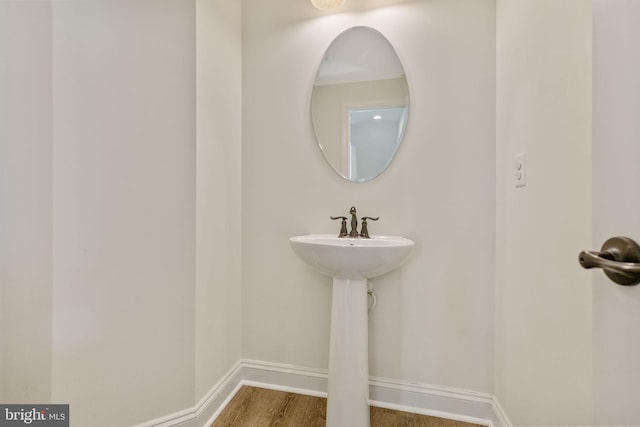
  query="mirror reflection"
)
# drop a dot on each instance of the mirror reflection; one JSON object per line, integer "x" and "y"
{"x": 360, "y": 104}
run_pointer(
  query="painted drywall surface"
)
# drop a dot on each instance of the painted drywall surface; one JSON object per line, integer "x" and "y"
{"x": 434, "y": 318}
{"x": 218, "y": 290}
{"x": 123, "y": 209}
{"x": 543, "y": 299}
{"x": 124, "y": 319}
{"x": 616, "y": 317}
{"x": 25, "y": 202}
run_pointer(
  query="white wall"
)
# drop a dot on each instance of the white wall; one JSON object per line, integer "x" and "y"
{"x": 543, "y": 301}
{"x": 25, "y": 201}
{"x": 123, "y": 209}
{"x": 104, "y": 303}
{"x": 434, "y": 318}
{"x": 616, "y": 314}
{"x": 137, "y": 238}
{"x": 218, "y": 169}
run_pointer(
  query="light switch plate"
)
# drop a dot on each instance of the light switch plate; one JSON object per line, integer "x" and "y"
{"x": 520, "y": 169}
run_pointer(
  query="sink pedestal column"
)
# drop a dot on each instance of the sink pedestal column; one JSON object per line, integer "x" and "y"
{"x": 348, "y": 388}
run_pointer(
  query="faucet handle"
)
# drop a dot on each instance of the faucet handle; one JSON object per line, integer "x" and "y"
{"x": 343, "y": 225}
{"x": 364, "y": 232}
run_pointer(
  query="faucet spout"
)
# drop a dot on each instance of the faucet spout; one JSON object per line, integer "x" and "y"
{"x": 354, "y": 222}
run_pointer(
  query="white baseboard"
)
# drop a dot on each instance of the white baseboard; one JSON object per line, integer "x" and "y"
{"x": 443, "y": 402}
{"x": 219, "y": 396}
{"x": 503, "y": 419}
{"x": 277, "y": 376}
{"x": 211, "y": 404}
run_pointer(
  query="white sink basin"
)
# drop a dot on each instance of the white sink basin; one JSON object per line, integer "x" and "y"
{"x": 351, "y": 262}
{"x": 352, "y": 258}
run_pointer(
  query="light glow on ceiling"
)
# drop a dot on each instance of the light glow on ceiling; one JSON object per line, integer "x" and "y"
{"x": 327, "y": 4}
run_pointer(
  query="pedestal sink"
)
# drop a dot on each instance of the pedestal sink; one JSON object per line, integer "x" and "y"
{"x": 350, "y": 261}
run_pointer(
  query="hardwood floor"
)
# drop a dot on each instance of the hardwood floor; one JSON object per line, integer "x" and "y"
{"x": 259, "y": 407}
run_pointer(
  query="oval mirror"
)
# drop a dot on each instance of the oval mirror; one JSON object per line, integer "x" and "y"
{"x": 360, "y": 104}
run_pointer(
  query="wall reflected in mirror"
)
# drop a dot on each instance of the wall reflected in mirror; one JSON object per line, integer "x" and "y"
{"x": 360, "y": 104}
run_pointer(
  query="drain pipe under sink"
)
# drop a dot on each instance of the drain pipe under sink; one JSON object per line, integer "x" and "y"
{"x": 371, "y": 294}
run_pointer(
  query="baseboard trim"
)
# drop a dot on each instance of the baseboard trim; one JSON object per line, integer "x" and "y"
{"x": 290, "y": 378}
{"x": 443, "y": 402}
{"x": 208, "y": 408}
{"x": 219, "y": 396}
{"x": 501, "y": 415}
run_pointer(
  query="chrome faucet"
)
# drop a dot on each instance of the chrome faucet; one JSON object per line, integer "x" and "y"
{"x": 364, "y": 232}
